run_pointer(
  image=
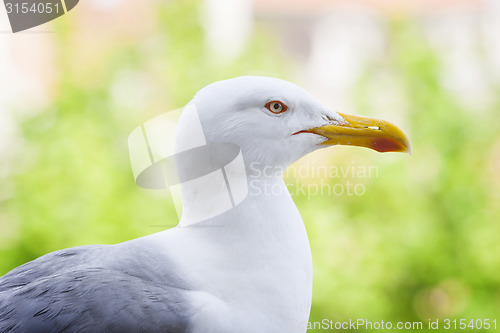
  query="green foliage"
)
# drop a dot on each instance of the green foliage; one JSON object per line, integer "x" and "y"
{"x": 419, "y": 243}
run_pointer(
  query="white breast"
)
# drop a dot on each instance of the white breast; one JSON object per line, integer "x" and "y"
{"x": 252, "y": 265}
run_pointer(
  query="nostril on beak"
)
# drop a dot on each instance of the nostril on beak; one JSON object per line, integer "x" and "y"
{"x": 328, "y": 118}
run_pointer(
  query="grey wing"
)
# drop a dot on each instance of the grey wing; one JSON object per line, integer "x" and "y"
{"x": 36, "y": 298}
{"x": 49, "y": 264}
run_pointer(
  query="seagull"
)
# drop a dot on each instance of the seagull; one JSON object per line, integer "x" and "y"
{"x": 245, "y": 269}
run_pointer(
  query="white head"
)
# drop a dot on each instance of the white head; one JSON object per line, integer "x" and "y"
{"x": 275, "y": 122}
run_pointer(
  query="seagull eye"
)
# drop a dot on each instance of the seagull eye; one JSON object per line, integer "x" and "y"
{"x": 276, "y": 107}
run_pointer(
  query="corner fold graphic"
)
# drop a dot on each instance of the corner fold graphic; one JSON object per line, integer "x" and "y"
{"x": 26, "y": 14}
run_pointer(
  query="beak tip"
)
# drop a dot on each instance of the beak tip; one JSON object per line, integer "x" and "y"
{"x": 408, "y": 146}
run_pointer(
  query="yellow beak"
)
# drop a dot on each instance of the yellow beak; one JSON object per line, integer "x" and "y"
{"x": 379, "y": 135}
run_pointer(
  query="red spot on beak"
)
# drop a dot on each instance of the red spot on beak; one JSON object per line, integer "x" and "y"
{"x": 385, "y": 144}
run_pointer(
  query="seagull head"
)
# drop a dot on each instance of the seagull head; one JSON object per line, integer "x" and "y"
{"x": 275, "y": 122}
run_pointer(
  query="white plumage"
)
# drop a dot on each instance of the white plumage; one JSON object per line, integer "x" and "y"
{"x": 248, "y": 269}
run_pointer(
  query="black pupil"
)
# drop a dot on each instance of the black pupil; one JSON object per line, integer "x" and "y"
{"x": 276, "y": 106}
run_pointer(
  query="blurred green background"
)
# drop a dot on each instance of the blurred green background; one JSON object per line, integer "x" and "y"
{"x": 421, "y": 240}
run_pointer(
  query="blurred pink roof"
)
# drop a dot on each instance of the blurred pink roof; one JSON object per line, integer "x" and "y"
{"x": 386, "y": 6}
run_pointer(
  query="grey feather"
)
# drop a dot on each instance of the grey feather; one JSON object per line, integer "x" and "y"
{"x": 93, "y": 289}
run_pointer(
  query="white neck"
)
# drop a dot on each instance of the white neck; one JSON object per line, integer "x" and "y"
{"x": 257, "y": 254}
